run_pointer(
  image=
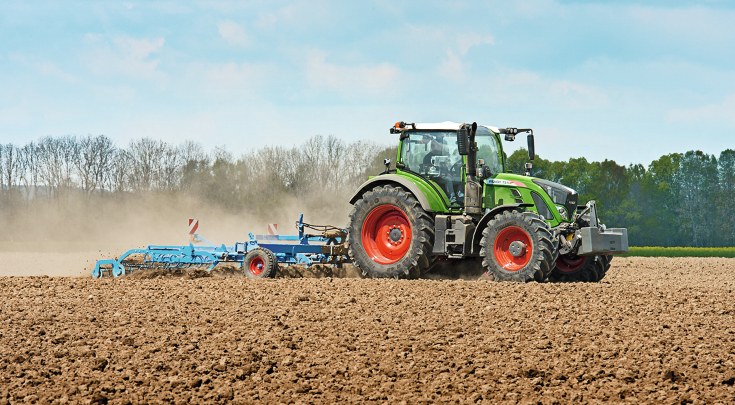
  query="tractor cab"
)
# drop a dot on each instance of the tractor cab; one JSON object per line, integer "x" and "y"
{"x": 431, "y": 152}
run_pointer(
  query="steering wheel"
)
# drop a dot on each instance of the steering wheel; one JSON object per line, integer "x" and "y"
{"x": 455, "y": 169}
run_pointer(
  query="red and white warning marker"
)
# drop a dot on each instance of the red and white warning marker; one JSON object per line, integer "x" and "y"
{"x": 273, "y": 229}
{"x": 193, "y": 226}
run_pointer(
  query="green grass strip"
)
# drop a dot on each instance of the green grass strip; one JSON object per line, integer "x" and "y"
{"x": 657, "y": 251}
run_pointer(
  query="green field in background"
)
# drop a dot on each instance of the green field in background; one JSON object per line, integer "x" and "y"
{"x": 657, "y": 251}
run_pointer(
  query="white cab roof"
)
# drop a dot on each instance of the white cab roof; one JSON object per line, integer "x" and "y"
{"x": 449, "y": 126}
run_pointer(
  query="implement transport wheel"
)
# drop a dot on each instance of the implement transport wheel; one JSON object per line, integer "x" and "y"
{"x": 390, "y": 235}
{"x": 585, "y": 269}
{"x": 517, "y": 246}
{"x": 260, "y": 263}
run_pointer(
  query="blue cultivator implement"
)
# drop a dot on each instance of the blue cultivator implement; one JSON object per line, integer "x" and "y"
{"x": 257, "y": 258}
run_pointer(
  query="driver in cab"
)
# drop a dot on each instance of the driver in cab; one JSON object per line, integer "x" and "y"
{"x": 438, "y": 166}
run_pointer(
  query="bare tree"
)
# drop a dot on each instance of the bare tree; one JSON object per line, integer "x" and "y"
{"x": 193, "y": 151}
{"x": 334, "y": 162}
{"x": 69, "y": 160}
{"x": 57, "y": 159}
{"x": 116, "y": 179}
{"x": 29, "y": 170}
{"x": 93, "y": 165}
{"x": 146, "y": 158}
{"x": 358, "y": 159}
{"x": 171, "y": 165}
{"x": 195, "y": 165}
{"x": 10, "y": 166}
{"x": 49, "y": 157}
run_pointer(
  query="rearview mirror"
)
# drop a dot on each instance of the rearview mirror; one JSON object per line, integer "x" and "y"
{"x": 531, "y": 148}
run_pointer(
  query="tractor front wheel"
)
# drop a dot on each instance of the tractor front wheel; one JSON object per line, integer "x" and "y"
{"x": 389, "y": 234}
{"x": 585, "y": 269}
{"x": 573, "y": 268}
{"x": 517, "y": 246}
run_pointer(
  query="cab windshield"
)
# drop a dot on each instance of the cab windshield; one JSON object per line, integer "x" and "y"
{"x": 422, "y": 151}
{"x": 431, "y": 153}
{"x": 489, "y": 150}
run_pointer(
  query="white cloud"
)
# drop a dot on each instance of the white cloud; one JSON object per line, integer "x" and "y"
{"x": 115, "y": 93}
{"x": 232, "y": 80}
{"x": 233, "y": 33}
{"x": 171, "y": 7}
{"x": 50, "y": 69}
{"x": 350, "y": 79}
{"x": 577, "y": 95}
{"x": 466, "y": 41}
{"x": 522, "y": 77}
{"x": 448, "y": 45}
{"x": 266, "y": 20}
{"x": 125, "y": 56}
{"x": 45, "y": 68}
{"x": 452, "y": 67}
{"x": 710, "y": 113}
{"x": 526, "y": 89}
{"x": 129, "y": 6}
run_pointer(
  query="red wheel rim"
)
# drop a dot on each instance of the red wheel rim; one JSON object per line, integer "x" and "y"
{"x": 256, "y": 266}
{"x": 386, "y": 234}
{"x": 502, "y": 248}
{"x": 569, "y": 264}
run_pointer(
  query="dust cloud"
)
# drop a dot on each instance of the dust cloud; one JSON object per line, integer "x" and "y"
{"x": 65, "y": 239}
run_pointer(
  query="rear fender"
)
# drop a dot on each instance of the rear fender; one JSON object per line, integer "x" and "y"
{"x": 487, "y": 217}
{"x": 393, "y": 179}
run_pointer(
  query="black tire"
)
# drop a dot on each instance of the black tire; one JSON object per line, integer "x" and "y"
{"x": 537, "y": 264}
{"x": 591, "y": 268}
{"x": 550, "y": 256}
{"x": 589, "y": 271}
{"x": 260, "y": 263}
{"x": 417, "y": 258}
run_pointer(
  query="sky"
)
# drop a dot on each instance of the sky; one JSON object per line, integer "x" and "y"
{"x": 623, "y": 80}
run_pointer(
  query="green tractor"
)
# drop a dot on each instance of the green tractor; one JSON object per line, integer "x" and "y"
{"x": 449, "y": 198}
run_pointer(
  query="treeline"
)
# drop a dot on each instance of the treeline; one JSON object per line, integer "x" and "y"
{"x": 57, "y": 167}
{"x": 679, "y": 200}
{"x": 82, "y": 188}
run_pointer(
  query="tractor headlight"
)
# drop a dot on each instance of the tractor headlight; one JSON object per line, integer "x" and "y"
{"x": 562, "y": 211}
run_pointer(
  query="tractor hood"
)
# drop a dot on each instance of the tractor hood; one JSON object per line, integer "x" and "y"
{"x": 560, "y": 195}
{"x": 556, "y": 194}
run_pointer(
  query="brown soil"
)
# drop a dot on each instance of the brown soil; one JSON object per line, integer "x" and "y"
{"x": 655, "y": 331}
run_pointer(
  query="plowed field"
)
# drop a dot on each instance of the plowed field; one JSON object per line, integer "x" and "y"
{"x": 655, "y": 331}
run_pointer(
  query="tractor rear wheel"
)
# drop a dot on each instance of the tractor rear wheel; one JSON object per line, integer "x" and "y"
{"x": 389, "y": 234}
{"x": 517, "y": 246}
{"x": 260, "y": 263}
